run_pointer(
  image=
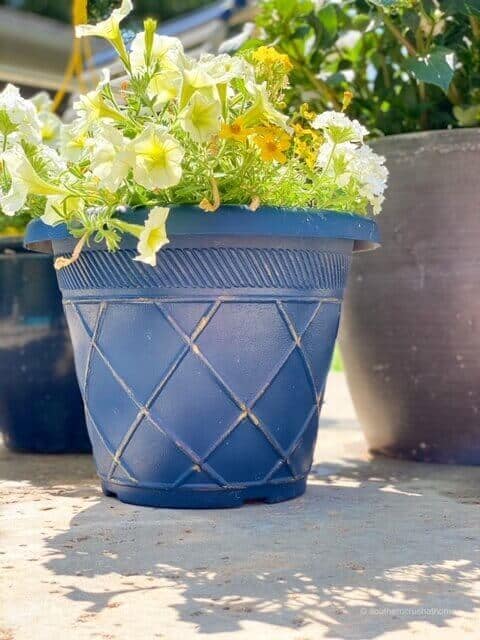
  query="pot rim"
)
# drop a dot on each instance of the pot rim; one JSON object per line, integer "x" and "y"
{"x": 17, "y": 250}
{"x": 235, "y": 220}
{"x": 429, "y": 133}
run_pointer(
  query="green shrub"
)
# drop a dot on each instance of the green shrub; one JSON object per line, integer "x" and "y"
{"x": 412, "y": 64}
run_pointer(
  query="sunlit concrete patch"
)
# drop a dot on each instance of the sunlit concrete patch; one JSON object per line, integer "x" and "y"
{"x": 375, "y": 549}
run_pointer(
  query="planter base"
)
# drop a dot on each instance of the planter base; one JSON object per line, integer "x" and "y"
{"x": 205, "y": 499}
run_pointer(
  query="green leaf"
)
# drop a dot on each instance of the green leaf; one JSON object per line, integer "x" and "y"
{"x": 328, "y": 17}
{"x": 437, "y": 67}
{"x": 6, "y": 125}
{"x": 467, "y": 7}
{"x": 387, "y": 4}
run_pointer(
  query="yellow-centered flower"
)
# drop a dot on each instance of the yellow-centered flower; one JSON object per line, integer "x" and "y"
{"x": 153, "y": 236}
{"x": 109, "y": 28}
{"x": 272, "y": 142}
{"x": 201, "y": 117}
{"x": 262, "y": 111}
{"x": 236, "y": 130}
{"x": 24, "y": 181}
{"x": 158, "y": 158}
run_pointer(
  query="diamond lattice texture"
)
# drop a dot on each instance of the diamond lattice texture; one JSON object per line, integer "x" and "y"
{"x": 222, "y": 392}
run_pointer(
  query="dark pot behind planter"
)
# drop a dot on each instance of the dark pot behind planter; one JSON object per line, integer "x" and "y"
{"x": 203, "y": 376}
{"x": 410, "y": 332}
{"x": 40, "y": 404}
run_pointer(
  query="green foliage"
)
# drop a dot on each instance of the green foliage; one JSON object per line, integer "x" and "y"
{"x": 411, "y": 64}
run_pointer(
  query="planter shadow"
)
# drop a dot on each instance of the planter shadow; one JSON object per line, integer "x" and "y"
{"x": 371, "y": 548}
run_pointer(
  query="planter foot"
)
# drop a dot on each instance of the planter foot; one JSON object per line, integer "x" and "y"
{"x": 204, "y": 498}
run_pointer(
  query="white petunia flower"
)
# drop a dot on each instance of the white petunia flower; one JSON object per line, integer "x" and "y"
{"x": 338, "y": 127}
{"x": 262, "y": 110}
{"x": 94, "y": 105}
{"x": 158, "y": 158}
{"x": 335, "y": 161}
{"x": 201, "y": 118}
{"x": 166, "y": 52}
{"x": 153, "y": 236}
{"x": 346, "y": 162}
{"x": 42, "y": 101}
{"x": 18, "y": 117}
{"x": 224, "y": 68}
{"x": 165, "y": 86}
{"x": 372, "y": 174}
{"x": 25, "y": 180}
{"x": 56, "y": 205}
{"x": 50, "y": 128}
{"x": 197, "y": 79}
{"x": 111, "y": 157}
{"x": 73, "y": 142}
{"x": 109, "y": 28}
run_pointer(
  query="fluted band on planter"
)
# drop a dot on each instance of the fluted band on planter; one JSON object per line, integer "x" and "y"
{"x": 203, "y": 377}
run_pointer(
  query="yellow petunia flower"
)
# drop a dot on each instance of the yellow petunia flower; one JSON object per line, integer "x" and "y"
{"x": 109, "y": 28}
{"x": 158, "y": 158}
{"x": 201, "y": 118}
{"x": 153, "y": 236}
{"x": 272, "y": 142}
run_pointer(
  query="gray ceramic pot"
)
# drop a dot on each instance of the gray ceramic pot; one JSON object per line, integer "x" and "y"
{"x": 410, "y": 333}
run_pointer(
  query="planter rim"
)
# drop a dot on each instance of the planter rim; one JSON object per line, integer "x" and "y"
{"x": 233, "y": 220}
{"x": 11, "y": 241}
{"x": 17, "y": 249}
{"x": 420, "y": 136}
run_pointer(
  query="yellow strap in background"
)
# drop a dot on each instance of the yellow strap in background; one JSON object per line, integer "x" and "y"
{"x": 81, "y": 53}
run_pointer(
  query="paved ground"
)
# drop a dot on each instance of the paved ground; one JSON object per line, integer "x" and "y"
{"x": 375, "y": 549}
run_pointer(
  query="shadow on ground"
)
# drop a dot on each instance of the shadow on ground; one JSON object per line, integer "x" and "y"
{"x": 372, "y": 547}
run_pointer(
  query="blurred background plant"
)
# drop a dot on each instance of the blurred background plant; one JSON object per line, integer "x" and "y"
{"x": 411, "y": 64}
{"x": 100, "y": 9}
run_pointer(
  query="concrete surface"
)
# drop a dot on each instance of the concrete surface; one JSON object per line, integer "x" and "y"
{"x": 375, "y": 549}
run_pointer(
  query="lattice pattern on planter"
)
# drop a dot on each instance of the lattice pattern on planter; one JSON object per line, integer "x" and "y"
{"x": 203, "y": 387}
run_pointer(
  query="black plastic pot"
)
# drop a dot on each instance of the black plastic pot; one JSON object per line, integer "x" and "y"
{"x": 410, "y": 333}
{"x": 41, "y": 409}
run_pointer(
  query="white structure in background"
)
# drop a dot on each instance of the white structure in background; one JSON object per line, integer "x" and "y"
{"x": 34, "y": 50}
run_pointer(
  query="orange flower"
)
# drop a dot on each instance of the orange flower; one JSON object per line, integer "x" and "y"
{"x": 236, "y": 130}
{"x": 272, "y": 142}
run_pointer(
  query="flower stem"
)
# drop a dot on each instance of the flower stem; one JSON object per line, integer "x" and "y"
{"x": 399, "y": 35}
{"x": 61, "y": 263}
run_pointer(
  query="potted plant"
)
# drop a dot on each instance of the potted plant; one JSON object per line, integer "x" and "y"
{"x": 202, "y": 239}
{"x": 40, "y": 404}
{"x": 408, "y": 335}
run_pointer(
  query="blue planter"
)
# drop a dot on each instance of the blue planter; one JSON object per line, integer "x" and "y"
{"x": 41, "y": 408}
{"x": 203, "y": 377}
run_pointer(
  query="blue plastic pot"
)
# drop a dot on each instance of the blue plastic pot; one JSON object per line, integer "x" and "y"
{"x": 41, "y": 410}
{"x": 203, "y": 377}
